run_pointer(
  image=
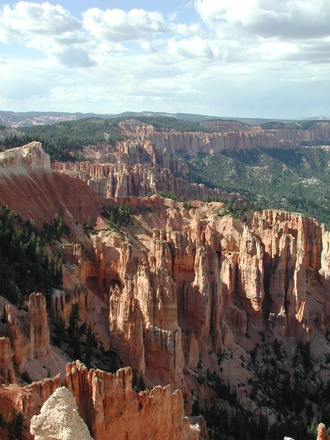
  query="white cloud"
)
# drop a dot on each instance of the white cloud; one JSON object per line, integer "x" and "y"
{"x": 27, "y": 20}
{"x": 119, "y": 26}
{"x": 281, "y": 18}
{"x": 231, "y": 58}
{"x": 194, "y": 47}
{"x": 47, "y": 28}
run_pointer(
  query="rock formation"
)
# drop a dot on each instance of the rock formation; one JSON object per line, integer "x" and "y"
{"x": 28, "y": 332}
{"x": 321, "y": 432}
{"x": 32, "y": 397}
{"x": 31, "y": 157}
{"x": 7, "y": 373}
{"x": 112, "y": 409}
{"x": 121, "y": 180}
{"x": 28, "y": 399}
{"x": 59, "y": 419}
{"x": 293, "y": 248}
{"x": 169, "y": 292}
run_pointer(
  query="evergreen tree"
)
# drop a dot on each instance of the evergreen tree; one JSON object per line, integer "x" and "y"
{"x": 73, "y": 332}
{"x": 141, "y": 384}
{"x": 19, "y": 425}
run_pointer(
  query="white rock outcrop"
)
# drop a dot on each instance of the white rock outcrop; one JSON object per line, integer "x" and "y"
{"x": 30, "y": 156}
{"x": 59, "y": 419}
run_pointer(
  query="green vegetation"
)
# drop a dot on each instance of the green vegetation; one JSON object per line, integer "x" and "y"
{"x": 294, "y": 180}
{"x": 13, "y": 426}
{"x": 118, "y": 216}
{"x": 64, "y": 141}
{"x": 279, "y": 388}
{"x": 80, "y": 339}
{"x": 237, "y": 208}
{"x": 25, "y": 263}
{"x": 164, "y": 123}
{"x": 138, "y": 383}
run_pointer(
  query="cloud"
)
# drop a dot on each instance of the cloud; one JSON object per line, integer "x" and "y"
{"x": 229, "y": 58}
{"x": 281, "y": 18}
{"x": 119, "y": 26}
{"x": 194, "y": 47}
{"x": 28, "y": 20}
{"x": 47, "y": 28}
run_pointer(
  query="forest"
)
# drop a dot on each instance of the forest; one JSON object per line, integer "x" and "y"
{"x": 26, "y": 262}
{"x": 293, "y": 180}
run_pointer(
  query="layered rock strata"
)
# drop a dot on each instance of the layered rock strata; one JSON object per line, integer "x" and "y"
{"x": 146, "y": 162}
{"x": 28, "y": 332}
{"x": 187, "y": 289}
{"x": 112, "y": 409}
{"x": 121, "y": 180}
{"x": 7, "y": 373}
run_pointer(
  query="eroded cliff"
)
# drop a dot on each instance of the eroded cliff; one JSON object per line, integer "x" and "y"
{"x": 181, "y": 293}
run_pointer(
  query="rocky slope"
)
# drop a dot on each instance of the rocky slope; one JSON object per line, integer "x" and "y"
{"x": 182, "y": 295}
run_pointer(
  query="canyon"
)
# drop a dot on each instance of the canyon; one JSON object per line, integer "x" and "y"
{"x": 148, "y": 161}
{"x": 182, "y": 294}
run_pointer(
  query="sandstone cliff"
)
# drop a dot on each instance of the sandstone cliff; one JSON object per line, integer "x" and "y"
{"x": 7, "y": 373}
{"x": 176, "y": 288}
{"x": 106, "y": 402}
{"x": 28, "y": 399}
{"x": 147, "y": 161}
{"x": 112, "y": 409}
{"x": 28, "y": 332}
{"x": 121, "y": 180}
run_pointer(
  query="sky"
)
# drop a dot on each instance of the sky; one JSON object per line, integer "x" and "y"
{"x": 231, "y": 58}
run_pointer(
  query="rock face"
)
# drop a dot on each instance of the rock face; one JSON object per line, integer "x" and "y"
{"x": 107, "y": 404}
{"x": 294, "y": 251}
{"x": 31, "y": 157}
{"x": 59, "y": 419}
{"x": 112, "y": 409}
{"x": 7, "y": 373}
{"x": 28, "y": 399}
{"x": 172, "y": 288}
{"x": 120, "y": 179}
{"x": 321, "y": 434}
{"x": 147, "y": 161}
{"x": 190, "y": 287}
{"x": 32, "y": 397}
{"x": 325, "y": 255}
{"x": 29, "y": 332}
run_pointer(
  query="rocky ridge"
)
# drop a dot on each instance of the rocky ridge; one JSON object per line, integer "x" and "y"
{"x": 147, "y": 161}
{"x": 108, "y": 404}
{"x": 28, "y": 333}
{"x": 174, "y": 290}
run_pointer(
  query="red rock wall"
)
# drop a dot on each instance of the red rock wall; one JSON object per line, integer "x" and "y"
{"x": 28, "y": 332}
{"x": 7, "y": 373}
{"x": 110, "y": 407}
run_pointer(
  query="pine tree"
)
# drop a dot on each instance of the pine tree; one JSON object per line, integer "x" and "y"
{"x": 141, "y": 384}
{"x": 19, "y": 425}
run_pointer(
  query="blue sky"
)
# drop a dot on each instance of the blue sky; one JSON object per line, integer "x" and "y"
{"x": 247, "y": 58}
